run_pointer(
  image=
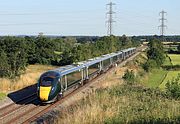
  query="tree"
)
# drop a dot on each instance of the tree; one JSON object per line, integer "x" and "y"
{"x": 4, "y": 66}
{"x": 178, "y": 48}
{"x": 45, "y": 50}
{"x": 31, "y": 50}
{"x": 67, "y": 58}
{"x": 14, "y": 51}
{"x": 156, "y": 52}
{"x": 126, "y": 42}
{"x": 149, "y": 65}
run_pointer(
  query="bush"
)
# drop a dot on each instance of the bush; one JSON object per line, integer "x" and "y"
{"x": 149, "y": 65}
{"x": 178, "y": 48}
{"x": 129, "y": 77}
{"x": 173, "y": 87}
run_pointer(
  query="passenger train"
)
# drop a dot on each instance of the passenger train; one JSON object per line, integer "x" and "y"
{"x": 52, "y": 84}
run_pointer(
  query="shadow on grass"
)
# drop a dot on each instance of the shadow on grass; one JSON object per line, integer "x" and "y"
{"x": 21, "y": 96}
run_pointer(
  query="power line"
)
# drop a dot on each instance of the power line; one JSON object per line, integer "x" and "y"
{"x": 110, "y": 20}
{"x": 162, "y": 20}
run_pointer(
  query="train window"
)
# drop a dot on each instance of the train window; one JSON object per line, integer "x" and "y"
{"x": 120, "y": 56}
{"x": 63, "y": 82}
{"x": 115, "y": 58}
{"x": 47, "y": 81}
{"x": 74, "y": 77}
{"x": 106, "y": 63}
{"x": 93, "y": 68}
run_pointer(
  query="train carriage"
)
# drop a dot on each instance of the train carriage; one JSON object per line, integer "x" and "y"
{"x": 53, "y": 83}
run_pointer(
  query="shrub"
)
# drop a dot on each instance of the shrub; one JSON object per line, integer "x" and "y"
{"x": 129, "y": 77}
{"x": 178, "y": 48}
{"x": 149, "y": 65}
{"x": 173, "y": 87}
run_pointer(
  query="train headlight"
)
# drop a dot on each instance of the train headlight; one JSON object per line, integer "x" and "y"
{"x": 53, "y": 90}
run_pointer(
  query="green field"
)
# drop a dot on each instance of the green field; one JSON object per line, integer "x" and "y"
{"x": 156, "y": 77}
{"x": 167, "y": 62}
{"x": 169, "y": 77}
{"x": 175, "y": 58}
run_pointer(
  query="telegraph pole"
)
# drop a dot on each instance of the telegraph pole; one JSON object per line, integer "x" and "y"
{"x": 162, "y": 20}
{"x": 110, "y": 20}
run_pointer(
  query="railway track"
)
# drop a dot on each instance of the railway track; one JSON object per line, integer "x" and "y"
{"x": 26, "y": 113}
{"x": 13, "y": 106}
{"x": 31, "y": 112}
{"x": 12, "y": 109}
{"x": 72, "y": 93}
{"x": 63, "y": 99}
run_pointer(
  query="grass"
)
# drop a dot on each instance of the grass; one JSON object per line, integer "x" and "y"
{"x": 155, "y": 78}
{"x": 116, "y": 104}
{"x": 159, "y": 77}
{"x": 167, "y": 61}
{"x": 2, "y": 96}
{"x": 123, "y": 104}
{"x": 175, "y": 58}
{"x": 30, "y": 77}
{"x": 152, "y": 79}
{"x": 169, "y": 77}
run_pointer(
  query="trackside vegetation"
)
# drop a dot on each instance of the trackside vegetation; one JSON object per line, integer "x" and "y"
{"x": 173, "y": 87}
{"x": 124, "y": 104}
{"x": 129, "y": 77}
{"x": 156, "y": 55}
{"x": 133, "y": 102}
{"x": 17, "y": 53}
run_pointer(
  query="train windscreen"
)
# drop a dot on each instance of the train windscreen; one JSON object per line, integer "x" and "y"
{"x": 47, "y": 81}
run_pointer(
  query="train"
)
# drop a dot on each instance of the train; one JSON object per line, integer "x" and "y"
{"x": 54, "y": 83}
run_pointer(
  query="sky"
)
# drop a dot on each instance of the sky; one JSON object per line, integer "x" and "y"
{"x": 87, "y": 17}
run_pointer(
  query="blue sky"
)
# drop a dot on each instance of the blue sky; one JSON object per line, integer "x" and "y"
{"x": 86, "y": 17}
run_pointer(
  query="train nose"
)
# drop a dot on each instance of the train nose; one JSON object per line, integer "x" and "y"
{"x": 44, "y": 93}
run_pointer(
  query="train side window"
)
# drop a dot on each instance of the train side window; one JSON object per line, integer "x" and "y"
{"x": 94, "y": 68}
{"x": 106, "y": 63}
{"x": 63, "y": 82}
{"x": 74, "y": 77}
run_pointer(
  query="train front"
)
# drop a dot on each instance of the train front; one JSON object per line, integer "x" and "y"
{"x": 48, "y": 87}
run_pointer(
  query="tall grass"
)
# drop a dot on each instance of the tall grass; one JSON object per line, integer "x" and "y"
{"x": 124, "y": 104}
{"x": 28, "y": 78}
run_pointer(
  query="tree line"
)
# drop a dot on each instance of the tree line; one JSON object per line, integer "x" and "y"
{"x": 17, "y": 53}
{"x": 175, "y": 38}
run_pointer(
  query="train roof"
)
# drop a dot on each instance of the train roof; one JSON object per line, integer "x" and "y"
{"x": 68, "y": 69}
{"x": 99, "y": 59}
{"x": 126, "y": 50}
{"x": 71, "y": 68}
{"x": 75, "y": 67}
